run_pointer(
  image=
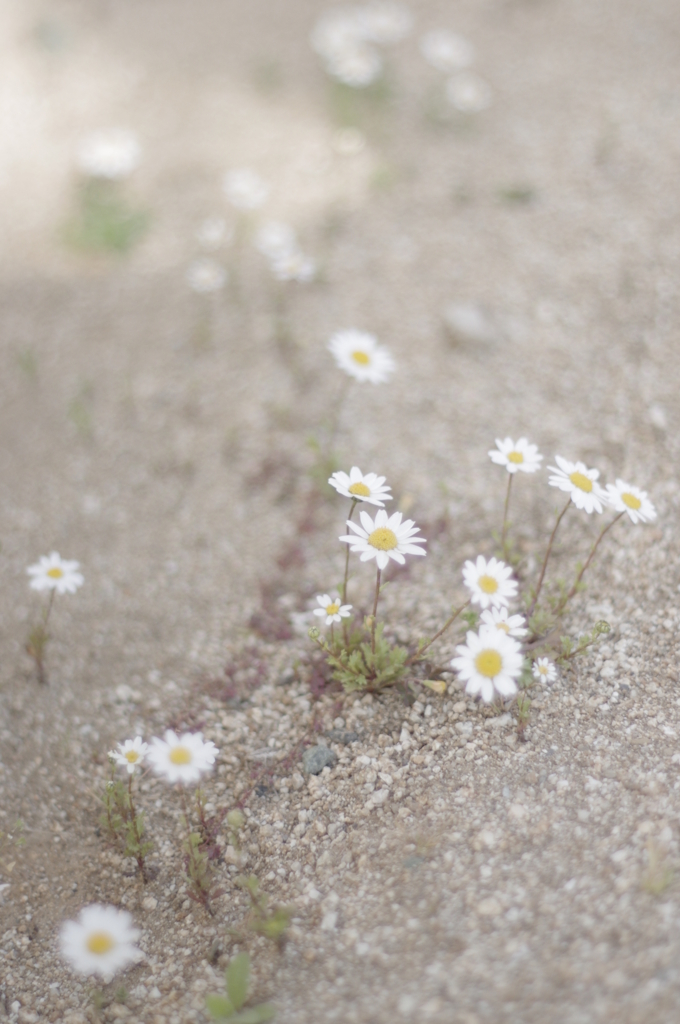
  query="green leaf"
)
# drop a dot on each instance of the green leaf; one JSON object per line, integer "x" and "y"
{"x": 219, "y": 1007}
{"x": 256, "y": 1015}
{"x": 238, "y": 977}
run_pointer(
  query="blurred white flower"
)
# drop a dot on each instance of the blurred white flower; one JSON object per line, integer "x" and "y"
{"x": 544, "y": 671}
{"x": 53, "y": 572}
{"x": 130, "y": 754}
{"x": 625, "y": 497}
{"x": 101, "y": 941}
{"x": 294, "y": 266}
{"x": 357, "y": 66}
{"x": 499, "y": 618}
{"x": 360, "y": 355}
{"x": 446, "y": 51}
{"x": 213, "y": 233}
{"x": 336, "y": 30}
{"x": 580, "y": 482}
{"x": 275, "y": 239}
{"x": 182, "y": 758}
{"x": 348, "y": 141}
{"x": 206, "y": 275}
{"x": 468, "y": 93}
{"x": 245, "y": 189}
{"x": 109, "y": 154}
{"x": 489, "y": 582}
{"x": 516, "y": 455}
{"x": 361, "y": 486}
{"x": 384, "y": 22}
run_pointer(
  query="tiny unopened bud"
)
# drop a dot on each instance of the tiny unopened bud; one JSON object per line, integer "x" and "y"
{"x": 314, "y": 633}
{"x": 602, "y": 626}
{"x": 235, "y": 820}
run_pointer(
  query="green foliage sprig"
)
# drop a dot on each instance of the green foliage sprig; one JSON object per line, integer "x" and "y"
{"x": 230, "y": 1006}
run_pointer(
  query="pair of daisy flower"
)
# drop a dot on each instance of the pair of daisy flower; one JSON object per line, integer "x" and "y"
{"x": 492, "y": 660}
{"x": 575, "y": 479}
{"x": 178, "y": 758}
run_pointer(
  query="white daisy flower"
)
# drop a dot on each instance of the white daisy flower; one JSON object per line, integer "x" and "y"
{"x": 544, "y": 670}
{"x": 625, "y": 497}
{"x": 110, "y": 154}
{"x": 580, "y": 482}
{"x": 468, "y": 93}
{"x": 356, "y": 65}
{"x": 384, "y": 538}
{"x": 130, "y": 754}
{"x": 360, "y": 355}
{"x": 498, "y": 618}
{"x": 362, "y": 487}
{"x": 101, "y": 941}
{"x": 516, "y": 456}
{"x": 489, "y": 661}
{"x": 294, "y": 266}
{"x": 206, "y": 275}
{"x": 332, "y": 608}
{"x": 446, "y": 51}
{"x": 245, "y": 189}
{"x": 384, "y": 23}
{"x": 275, "y": 239}
{"x": 489, "y": 582}
{"x": 213, "y": 232}
{"x": 182, "y": 758}
{"x": 53, "y": 572}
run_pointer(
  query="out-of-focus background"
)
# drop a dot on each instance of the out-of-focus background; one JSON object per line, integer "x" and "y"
{"x": 488, "y": 186}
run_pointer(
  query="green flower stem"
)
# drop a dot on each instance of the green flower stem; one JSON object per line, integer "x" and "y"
{"x": 375, "y": 609}
{"x": 355, "y": 502}
{"x": 504, "y": 534}
{"x": 138, "y": 839}
{"x": 449, "y": 622}
{"x": 545, "y": 560}
{"x": 565, "y": 601}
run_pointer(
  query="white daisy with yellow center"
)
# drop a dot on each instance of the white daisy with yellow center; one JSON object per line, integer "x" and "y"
{"x": 517, "y": 456}
{"x": 101, "y": 941}
{"x": 182, "y": 758}
{"x": 489, "y": 663}
{"x": 361, "y": 487}
{"x": 360, "y": 355}
{"x": 625, "y": 497}
{"x": 130, "y": 754}
{"x": 332, "y": 608}
{"x": 489, "y": 582}
{"x": 53, "y": 572}
{"x": 384, "y": 538}
{"x": 544, "y": 671}
{"x": 498, "y": 618}
{"x": 575, "y": 479}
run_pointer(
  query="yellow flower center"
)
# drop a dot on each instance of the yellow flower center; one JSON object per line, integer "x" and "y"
{"x": 383, "y": 539}
{"x": 362, "y": 358}
{"x": 488, "y": 663}
{"x": 55, "y": 573}
{"x": 100, "y": 943}
{"x": 488, "y": 584}
{"x": 631, "y": 501}
{"x": 332, "y": 609}
{"x": 515, "y": 457}
{"x": 131, "y": 756}
{"x": 180, "y": 755}
{"x": 504, "y": 626}
{"x": 581, "y": 481}
{"x": 360, "y": 490}
{"x": 543, "y": 670}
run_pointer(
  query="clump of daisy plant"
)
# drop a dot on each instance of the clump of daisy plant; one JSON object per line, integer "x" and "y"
{"x": 56, "y": 575}
{"x": 182, "y": 760}
{"x": 121, "y": 821}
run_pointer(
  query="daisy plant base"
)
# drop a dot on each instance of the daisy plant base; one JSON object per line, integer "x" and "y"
{"x": 365, "y": 666}
{"x": 122, "y": 824}
{"x": 269, "y": 922}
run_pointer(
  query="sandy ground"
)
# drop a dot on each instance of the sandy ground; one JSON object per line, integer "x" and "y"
{"x": 162, "y": 439}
